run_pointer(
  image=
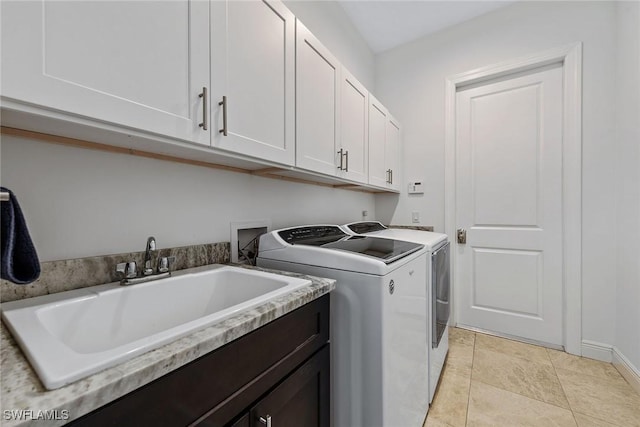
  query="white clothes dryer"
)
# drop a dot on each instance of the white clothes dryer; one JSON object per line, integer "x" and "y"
{"x": 438, "y": 286}
{"x": 378, "y": 320}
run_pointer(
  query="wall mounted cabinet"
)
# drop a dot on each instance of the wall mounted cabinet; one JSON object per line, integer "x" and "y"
{"x": 384, "y": 146}
{"x": 317, "y": 105}
{"x": 253, "y": 88}
{"x": 253, "y": 79}
{"x": 110, "y": 62}
{"x": 354, "y": 128}
{"x": 392, "y": 153}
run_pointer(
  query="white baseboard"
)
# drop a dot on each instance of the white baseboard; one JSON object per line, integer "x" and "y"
{"x": 626, "y": 369}
{"x": 598, "y": 351}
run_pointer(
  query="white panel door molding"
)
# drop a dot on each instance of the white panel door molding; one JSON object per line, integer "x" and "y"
{"x": 513, "y": 171}
{"x": 253, "y": 71}
{"x": 108, "y": 61}
{"x": 317, "y": 105}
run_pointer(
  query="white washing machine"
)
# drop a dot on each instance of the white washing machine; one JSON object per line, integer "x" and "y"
{"x": 438, "y": 286}
{"x": 378, "y": 320}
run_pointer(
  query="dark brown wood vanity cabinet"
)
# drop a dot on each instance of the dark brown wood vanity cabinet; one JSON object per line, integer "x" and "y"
{"x": 277, "y": 375}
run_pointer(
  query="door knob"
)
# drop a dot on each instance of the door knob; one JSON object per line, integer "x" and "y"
{"x": 462, "y": 236}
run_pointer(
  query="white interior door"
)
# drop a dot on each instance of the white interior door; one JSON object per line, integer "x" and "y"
{"x": 509, "y": 200}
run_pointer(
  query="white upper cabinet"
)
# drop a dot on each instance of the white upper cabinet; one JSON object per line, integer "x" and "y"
{"x": 392, "y": 153}
{"x": 384, "y": 147}
{"x": 138, "y": 64}
{"x": 253, "y": 71}
{"x": 354, "y": 128}
{"x": 317, "y": 105}
{"x": 378, "y": 118}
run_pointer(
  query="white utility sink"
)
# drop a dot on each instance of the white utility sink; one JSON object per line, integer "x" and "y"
{"x": 70, "y": 335}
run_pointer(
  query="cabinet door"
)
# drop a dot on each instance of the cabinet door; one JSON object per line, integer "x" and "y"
{"x": 317, "y": 87}
{"x": 140, "y": 64}
{"x": 253, "y": 68}
{"x": 392, "y": 153}
{"x": 300, "y": 400}
{"x": 354, "y": 127}
{"x": 378, "y": 118}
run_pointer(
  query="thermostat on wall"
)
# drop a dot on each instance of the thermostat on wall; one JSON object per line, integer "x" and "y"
{"x": 416, "y": 187}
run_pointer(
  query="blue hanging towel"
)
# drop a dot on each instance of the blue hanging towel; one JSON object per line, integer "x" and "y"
{"x": 20, "y": 263}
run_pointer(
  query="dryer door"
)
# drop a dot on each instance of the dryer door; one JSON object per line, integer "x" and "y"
{"x": 440, "y": 298}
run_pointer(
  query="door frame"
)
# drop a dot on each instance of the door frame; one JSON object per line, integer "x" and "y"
{"x": 571, "y": 58}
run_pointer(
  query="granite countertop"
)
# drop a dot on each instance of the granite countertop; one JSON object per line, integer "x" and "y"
{"x": 22, "y": 394}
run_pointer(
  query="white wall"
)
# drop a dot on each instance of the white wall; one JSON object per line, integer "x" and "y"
{"x": 410, "y": 81}
{"x": 627, "y": 338}
{"x": 330, "y": 24}
{"x": 81, "y": 203}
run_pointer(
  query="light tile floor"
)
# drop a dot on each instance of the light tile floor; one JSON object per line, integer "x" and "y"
{"x": 495, "y": 382}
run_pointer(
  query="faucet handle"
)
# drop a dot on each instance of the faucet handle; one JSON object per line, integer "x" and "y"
{"x": 165, "y": 263}
{"x": 128, "y": 270}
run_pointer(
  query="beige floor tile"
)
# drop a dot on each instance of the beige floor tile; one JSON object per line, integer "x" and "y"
{"x": 449, "y": 405}
{"x": 585, "y": 421}
{"x": 459, "y": 336}
{"x": 431, "y": 422}
{"x": 583, "y": 365}
{"x": 607, "y": 399}
{"x": 491, "y": 407}
{"x": 531, "y": 379}
{"x": 513, "y": 348}
{"x": 459, "y": 360}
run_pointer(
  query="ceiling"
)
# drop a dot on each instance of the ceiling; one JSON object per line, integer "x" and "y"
{"x": 387, "y": 24}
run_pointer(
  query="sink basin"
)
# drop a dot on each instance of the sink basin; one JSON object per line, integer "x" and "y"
{"x": 73, "y": 334}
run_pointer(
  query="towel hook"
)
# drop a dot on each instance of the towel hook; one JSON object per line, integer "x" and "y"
{"x": 4, "y": 196}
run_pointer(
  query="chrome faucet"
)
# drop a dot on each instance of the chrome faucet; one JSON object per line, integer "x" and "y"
{"x": 151, "y": 247}
{"x": 129, "y": 272}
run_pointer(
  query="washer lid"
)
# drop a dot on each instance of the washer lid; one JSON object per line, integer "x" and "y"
{"x": 332, "y": 237}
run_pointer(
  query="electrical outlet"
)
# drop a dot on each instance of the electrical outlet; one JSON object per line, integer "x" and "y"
{"x": 415, "y": 217}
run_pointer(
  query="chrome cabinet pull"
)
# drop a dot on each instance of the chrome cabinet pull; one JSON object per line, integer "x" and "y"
{"x": 346, "y": 168}
{"x": 341, "y": 156}
{"x": 203, "y": 95}
{"x": 266, "y": 420}
{"x": 390, "y": 176}
{"x": 224, "y": 115}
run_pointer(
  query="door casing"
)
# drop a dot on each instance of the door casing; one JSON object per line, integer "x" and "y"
{"x": 571, "y": 58}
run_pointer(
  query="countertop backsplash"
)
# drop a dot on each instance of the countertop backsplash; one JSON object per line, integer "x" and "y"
{"x": 66, "y": 275}
{"x": 414, "y": 227}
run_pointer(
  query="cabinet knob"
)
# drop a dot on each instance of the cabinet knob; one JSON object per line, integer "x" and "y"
{"x": 266, "y": 420}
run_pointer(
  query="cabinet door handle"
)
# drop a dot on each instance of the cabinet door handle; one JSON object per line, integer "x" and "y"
{"x": 203, "y": 95}
{"x": 224, "y": 115}
{"x": 346, "y": 167}
{"x": 266, "y": 420}
{"x": 341, "y": 156}
{"x": 390, "y": 176}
